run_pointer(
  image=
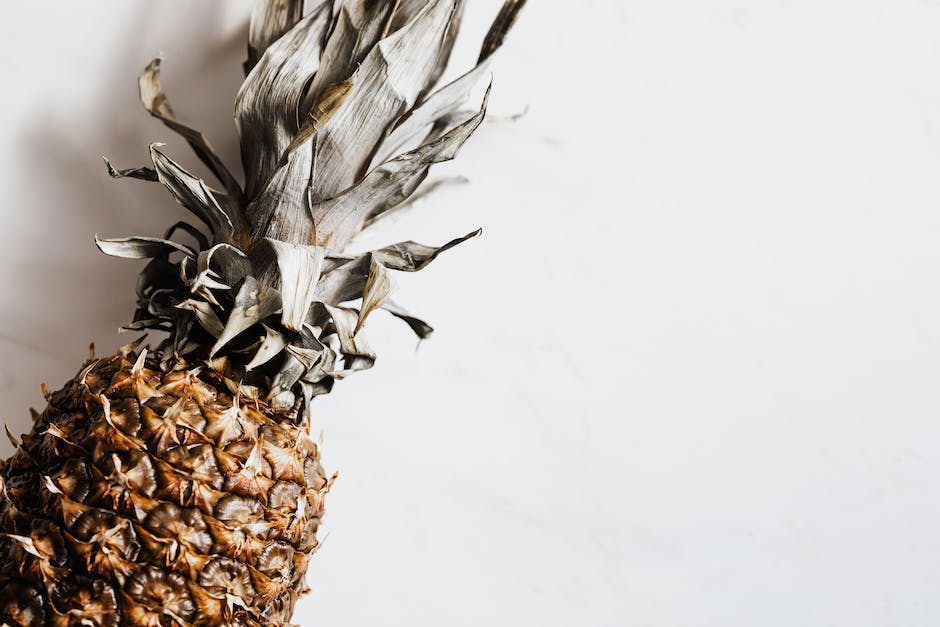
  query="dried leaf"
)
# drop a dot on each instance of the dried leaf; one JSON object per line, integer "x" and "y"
{"x": 449, "y": 100}
{"x": 356, "y": 352}
{"x": 225, "y": 262}
{"x": 346, "y": 281}
{"x": 144, "y": 174}
{"x": 421, "y": 328}
{"x": 328, "y": 104}
{"x": 344, "y": 278}
{"x": 378, "y": 287}
{"x": 156, "y": 103}
{"x": 411, "y": 256}
{"x": 205, "y": 314}
{"x": 252, "y": 304}
{"x": 387, "y": 84}
{"x": 140, "y": 247}
{"x": 267, "y": 108}
{"x": 423, "y": 191}
{"x": 503, "y": 24}
{"x": 405, "y": 12}
{"x": 270, "y": 19}
{"x": 357, "y": 27}
{"x": 340, "y": 218}
{"x": 299, "y": 272}
{"x": 192, "y": 194}
{"x": 270, "y": 348}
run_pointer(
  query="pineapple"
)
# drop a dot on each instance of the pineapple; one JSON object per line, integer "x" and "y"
{"x": 179, "y": 484}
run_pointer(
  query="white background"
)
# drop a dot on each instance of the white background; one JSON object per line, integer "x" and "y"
{"x": 687, "y": 377}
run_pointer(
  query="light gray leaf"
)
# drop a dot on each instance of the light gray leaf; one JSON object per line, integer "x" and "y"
{"x": 281, "y": 211}
{"x": 205, "y": 278}
{"x": 299, "y": 268}
{"x": 193, "y": 194}
{"x": 414, "y": 129}
{"x": 156, "y": 103}
{"x": 203, "y": 284}
{"x": 421, "y": 328}
{"x": 445, "y": 50}
{"x": 386, "y": 85}
{"x": 422, "y": 192}
{"x": 320, "y": 372}
{"x": 406, "y": 12}
{"x": 144, "y": 174}
{"x": 357, "y": 27}
{"x": 225, "y": 262}
{"x": 344, "y": 282}
{"x": 344, "y": 278}
{"x": 411, "y": 256}
{"x": 377, "y": 289}
{"x": 267, "y": 106}
{"x": 205, "y": 314}
{"x": 340, "y": 218}
{"x": 450, "y": 99}
{"x": 253, "y": 304}
{"x": 501, "y": 27}
{"x": 356, "y": 352}
{"x": 140, "y": 247}
{"x": 271, "y": 347}
{"x": 270, "y": 19}
{"x": 300, "y": 361}
{"x": 307, "y": 357}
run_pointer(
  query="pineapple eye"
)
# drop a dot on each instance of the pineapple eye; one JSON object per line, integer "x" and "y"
{"x": 277, "y": 559}
{"x": 21, "y": 605}
{"x": 284, "y": 495}
{"x": 158, "y": 593}
{"x": 224, "y": 577}
{"x": 85, "y": 601}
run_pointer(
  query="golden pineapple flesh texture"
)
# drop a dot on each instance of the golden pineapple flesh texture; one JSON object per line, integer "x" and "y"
{"x": 177, "y": 484}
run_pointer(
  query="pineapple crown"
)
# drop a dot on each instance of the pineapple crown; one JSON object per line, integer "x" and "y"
{"x": 340, "y": 119}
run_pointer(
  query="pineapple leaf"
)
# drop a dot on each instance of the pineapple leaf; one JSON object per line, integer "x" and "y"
{"x": 300, "y": 268}
{"x": 141, "y": 247}
{"x": 376, "y": 291}
{"x": 339, "y": 219}
{"x": 504, "y": 22}
{"x": 205, "y": 315}
{"x": 411, "y": 256}
{"x": 272, "y": 345}
{"x": 421, "y": 328}
{"x": 388, "y": 82}
{"x": 356, "y": 352}
{"x": 270, "y": 19}
{"x": 253, "y": 304}
{"x": 424, "y": 190}
{"x": 157, "y": 104}
{"x": 357, "y": 27}
{"x": 267, "y": 108}
{"x": 193, "y": 194}
{"x": 144, "y": 174}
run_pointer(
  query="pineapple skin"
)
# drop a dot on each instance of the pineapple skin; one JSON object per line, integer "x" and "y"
{"x": 157, "y": 499}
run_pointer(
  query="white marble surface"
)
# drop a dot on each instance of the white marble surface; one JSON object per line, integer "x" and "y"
{"x": 687, "y": 377}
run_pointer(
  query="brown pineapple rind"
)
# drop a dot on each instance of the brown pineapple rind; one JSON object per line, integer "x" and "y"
{"x": 152, "y": 499}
